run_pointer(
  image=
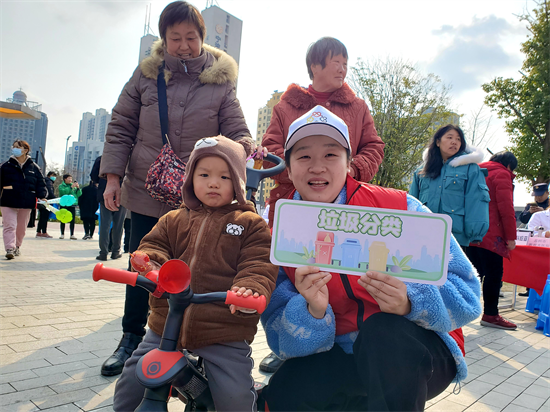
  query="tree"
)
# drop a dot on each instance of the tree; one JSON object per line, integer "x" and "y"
{"x": 526, "y": 102}
{"x": 477, "y": 128}
{"x": 407, "y": 107}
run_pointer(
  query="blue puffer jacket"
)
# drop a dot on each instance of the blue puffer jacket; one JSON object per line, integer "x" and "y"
{"x": 460, "y": 191}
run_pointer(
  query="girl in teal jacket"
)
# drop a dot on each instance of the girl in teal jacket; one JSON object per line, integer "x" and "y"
{"x": 451, "y": 182}
{"x": 68, "y": 187}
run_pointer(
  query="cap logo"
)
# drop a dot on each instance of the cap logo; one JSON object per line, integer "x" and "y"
{"x": 206, "y": 142}
{"x": 316, "y": 117}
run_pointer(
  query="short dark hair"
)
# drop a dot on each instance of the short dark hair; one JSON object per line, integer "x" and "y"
{"x": 505, "y": 158}
{"x": 178, "y": 12}
{"x": 434, "y": 161}
{"x": 318, "y": 52}
{"x": 51, "y": 174}
{"x": 23, "y": 144}
{"x": 65, "y": 176}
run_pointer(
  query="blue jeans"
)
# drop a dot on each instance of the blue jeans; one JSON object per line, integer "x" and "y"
{"x": 117, "y": 219}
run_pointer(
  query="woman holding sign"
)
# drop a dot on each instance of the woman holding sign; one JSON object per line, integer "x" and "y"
{"x": 353, "y": 343}
{"x": 451, "y": 182}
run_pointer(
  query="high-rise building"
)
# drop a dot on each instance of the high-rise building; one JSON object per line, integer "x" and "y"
{"x": 264, "y": 118}
{"x": 223, "y": 31}
{"x": 32, "y": 131}
{"x": 145, "y": 46}
{"x": 91, "y": 138}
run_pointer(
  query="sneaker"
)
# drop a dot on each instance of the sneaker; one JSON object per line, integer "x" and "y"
{"x": 73, "y": 237}
{"x": 497, "y": 321}
{"x": 17, "y": 252}
{"x": 10, "y": 254}
{"x": 85, "y": 237}
{"x": 101, "y": 257}
{"x": 62, "y": 237}
{"x": 46, "y": 235}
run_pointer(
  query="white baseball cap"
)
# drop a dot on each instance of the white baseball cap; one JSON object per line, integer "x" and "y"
{"x": 318, "y": 121}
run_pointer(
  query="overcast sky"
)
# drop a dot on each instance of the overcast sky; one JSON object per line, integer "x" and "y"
{"x": 75, "y": 56}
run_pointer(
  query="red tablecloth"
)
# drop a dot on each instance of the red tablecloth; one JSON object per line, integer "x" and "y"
{"x": 528, "y": 266}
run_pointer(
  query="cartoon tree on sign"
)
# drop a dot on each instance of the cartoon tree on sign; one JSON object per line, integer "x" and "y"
{"x": 400, "y": 266}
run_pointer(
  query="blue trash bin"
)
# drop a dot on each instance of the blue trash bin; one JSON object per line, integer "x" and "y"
{"x": 351, "y": 249}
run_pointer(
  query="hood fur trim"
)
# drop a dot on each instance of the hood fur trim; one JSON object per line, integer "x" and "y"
{"x": 223, "y": 70}
{"x": 301, "y": 98}
{"x": 471, "y": 155}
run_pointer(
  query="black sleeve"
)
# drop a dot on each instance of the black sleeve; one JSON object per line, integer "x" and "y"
{"x": 525, "y": 215}
{"x": 41, "y": 190}
{"x": 94, "y": 174}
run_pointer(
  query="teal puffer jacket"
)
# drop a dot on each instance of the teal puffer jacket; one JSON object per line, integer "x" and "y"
{"x": 460, "y": 191}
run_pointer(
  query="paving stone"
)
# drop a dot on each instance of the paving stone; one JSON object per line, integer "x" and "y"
{"x": 6, "y": 388}
{"x": 40, "y": 381}
{"x": 64, "y": 367}
{"x": 497, "y": 399}
{"x": 446, "y": 406}
{"x": 68, "y": 407}
{"x": 23, "y": 366}
{"x": 59, "y": 399}
{"x": 23, "y": 396}
{"x": 482, "y": 407}
{"x": 529, "y": 401}
{"x": 17, "y": 376}
{"x": 62, "y": 358}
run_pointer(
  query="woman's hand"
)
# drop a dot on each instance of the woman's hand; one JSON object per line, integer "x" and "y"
{"x": 511, "y": 244}
{"x": 312, "y": 285}
{"x": 390, "y": 293}
{"x": 244, "y": 292}
{"x": 111, "y": 196}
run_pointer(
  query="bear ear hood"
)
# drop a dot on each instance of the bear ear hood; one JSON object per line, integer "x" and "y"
{"x": 234, "y": 155}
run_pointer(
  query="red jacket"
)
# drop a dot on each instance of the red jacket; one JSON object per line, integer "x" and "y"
{"x": 367, "y": 149}
{"x": 502, "y": 219}
{"x": 350, "y": 302}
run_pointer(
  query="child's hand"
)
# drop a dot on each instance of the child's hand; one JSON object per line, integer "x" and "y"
{"x": 242, "y": 292}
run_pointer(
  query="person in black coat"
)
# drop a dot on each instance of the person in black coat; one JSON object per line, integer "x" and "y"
{"x": 22, "y": 184}
{"x": 44, "y": 214}
{"x": 88, "y": 207}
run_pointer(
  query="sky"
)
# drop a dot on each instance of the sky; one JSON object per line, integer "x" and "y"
{"x": 75, "y": 56}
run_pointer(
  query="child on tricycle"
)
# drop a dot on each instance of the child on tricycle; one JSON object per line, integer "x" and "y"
{"x": 226, "y": 245}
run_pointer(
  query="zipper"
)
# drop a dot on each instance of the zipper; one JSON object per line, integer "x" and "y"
{"x": 199, "y": 236}
{"x": 184, "y": 66}
{"x": 360, "y": 304}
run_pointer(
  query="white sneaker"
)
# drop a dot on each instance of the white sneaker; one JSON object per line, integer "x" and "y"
{"x": 73, "y": 237}
{"x": 62, "y": 237}
{"x": 10, "y": 254}
{"x": 17, "y": 252}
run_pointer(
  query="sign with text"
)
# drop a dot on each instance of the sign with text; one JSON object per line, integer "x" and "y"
{"x": 411, "y": 246}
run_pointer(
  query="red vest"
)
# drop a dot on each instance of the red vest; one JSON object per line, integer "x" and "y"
{"x": 350, "y": 302}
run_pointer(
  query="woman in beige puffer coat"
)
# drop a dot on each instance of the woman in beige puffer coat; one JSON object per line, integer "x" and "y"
{"x": 200, "y": 89}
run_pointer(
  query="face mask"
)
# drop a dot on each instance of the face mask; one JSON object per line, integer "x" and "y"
{"x": 53, "y": 178}
{"x": 16, "y": 151}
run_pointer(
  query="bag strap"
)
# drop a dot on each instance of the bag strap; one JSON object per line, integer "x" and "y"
{"x": 163, "y": 105}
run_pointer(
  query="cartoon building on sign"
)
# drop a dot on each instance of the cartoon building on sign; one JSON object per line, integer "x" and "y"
{"x": 323, "y": 247}
{"x": 378, "y": 253}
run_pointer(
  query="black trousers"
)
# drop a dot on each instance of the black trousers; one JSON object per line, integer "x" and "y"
{"x": 43, "y": 217}
{"x": 490, "y": 268}
{"x": 89, "y": 225}
{"x": 71, "y": 209}
{"x": 396, "y": 366}
{"x": 127, "y": 233}
{"x": 136, "y": 305}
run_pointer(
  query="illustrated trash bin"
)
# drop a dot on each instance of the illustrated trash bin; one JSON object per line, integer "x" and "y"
{"x": 323, "y": 247}
{"x": 378, "y": 256}
{"x": 351, "y": 250}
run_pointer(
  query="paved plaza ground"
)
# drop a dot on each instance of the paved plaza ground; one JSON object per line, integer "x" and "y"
{"x": 57, "y": 327}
